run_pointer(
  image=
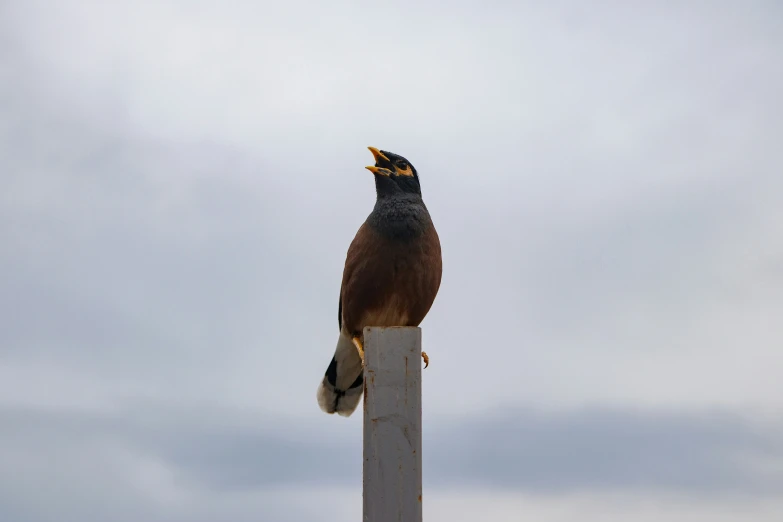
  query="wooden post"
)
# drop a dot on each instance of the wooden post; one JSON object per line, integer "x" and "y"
{"x": 392, "y": 425}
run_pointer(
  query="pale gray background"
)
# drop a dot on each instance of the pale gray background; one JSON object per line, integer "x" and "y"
{"x": 179, "y": 183}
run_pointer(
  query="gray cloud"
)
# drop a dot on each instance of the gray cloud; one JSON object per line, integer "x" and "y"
{"x": 595, "y": 448}
{"x": 181, "y": 462}
{"x": 698, "y": 452}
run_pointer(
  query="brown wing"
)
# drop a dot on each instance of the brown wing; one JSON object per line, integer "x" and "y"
{"x": 387, "y": 282}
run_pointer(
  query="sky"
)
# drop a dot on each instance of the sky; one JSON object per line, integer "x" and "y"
{"x": 179, "y": 184}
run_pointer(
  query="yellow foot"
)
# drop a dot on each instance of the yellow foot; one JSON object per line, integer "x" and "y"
{"x": 426, "y": 359}
{"x": 358, "y": 344}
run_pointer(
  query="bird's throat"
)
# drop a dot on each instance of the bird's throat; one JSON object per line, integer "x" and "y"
{"x": 401, "y": 217}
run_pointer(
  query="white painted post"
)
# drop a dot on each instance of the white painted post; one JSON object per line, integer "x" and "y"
{"x": 392, "y": 424}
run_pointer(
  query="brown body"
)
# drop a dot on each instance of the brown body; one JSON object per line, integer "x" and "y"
{"x": 395, "y": 288}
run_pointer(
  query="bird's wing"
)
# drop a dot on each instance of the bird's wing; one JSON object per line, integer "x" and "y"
{"x": 351, "y": 259}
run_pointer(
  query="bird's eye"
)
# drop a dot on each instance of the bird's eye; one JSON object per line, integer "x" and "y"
{"x": 402, "y": 165}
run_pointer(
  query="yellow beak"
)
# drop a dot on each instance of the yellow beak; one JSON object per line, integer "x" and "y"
{"x": 377, "y": 154}
{"x": 379, "y": 170}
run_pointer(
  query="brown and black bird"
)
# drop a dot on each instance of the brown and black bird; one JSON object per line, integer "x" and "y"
{"x": 391, "y": 277}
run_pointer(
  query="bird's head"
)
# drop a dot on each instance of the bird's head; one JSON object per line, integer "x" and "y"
{"x": 393, "y": 174}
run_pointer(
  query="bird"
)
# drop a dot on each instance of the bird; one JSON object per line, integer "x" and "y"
{"x": 392, "y": 274}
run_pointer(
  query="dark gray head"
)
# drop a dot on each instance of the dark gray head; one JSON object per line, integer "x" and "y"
{"x": 399, "y": 211}
{"x": 393, "y": 174}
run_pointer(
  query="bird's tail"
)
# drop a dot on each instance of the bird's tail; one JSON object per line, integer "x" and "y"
{"x": 342, "y": 386}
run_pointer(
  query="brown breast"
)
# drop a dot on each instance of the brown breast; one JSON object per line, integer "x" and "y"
{"x": 389, "y": 282}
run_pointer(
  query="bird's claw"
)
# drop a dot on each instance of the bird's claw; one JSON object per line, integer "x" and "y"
{"x": 359, "y": 348}
{"x": 426, "y": 359}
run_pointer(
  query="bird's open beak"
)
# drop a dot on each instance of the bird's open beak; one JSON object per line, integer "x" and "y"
{"x": 381, "y": 160}
{"x": 379, "y": 170}
{"x": 381, "y": 163}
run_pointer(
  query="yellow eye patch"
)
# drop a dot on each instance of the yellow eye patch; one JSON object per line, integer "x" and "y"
{"x": 403, "y": 172}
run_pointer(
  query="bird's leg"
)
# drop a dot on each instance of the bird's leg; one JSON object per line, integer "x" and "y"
{"x": 358, "y": 344}
{"x": 426, "y": 359}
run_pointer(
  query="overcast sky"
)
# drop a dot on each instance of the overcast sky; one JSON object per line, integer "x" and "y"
{"x": 179, "y": 184}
